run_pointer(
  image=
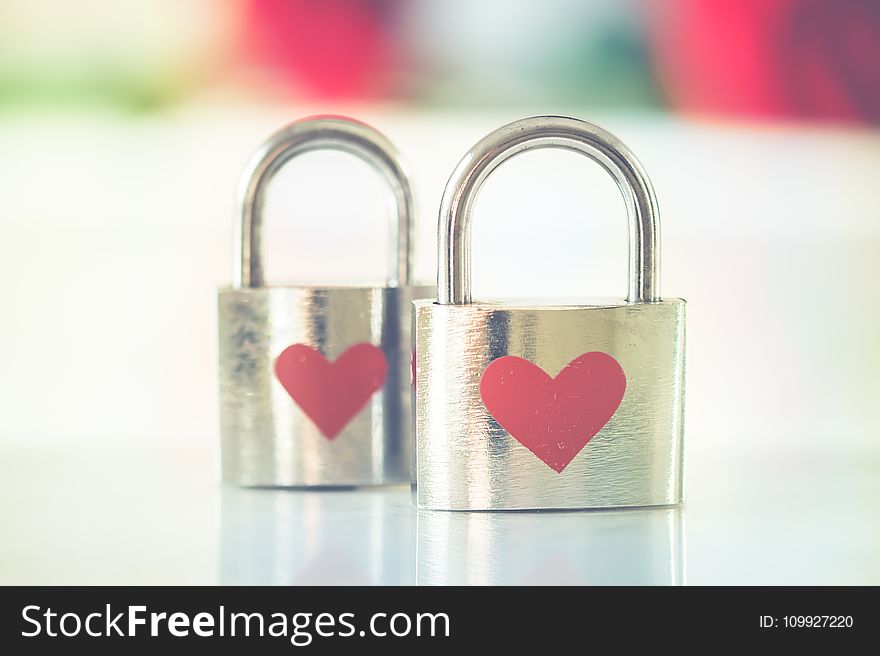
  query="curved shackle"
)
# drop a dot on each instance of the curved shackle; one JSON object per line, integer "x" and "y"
{"x": 303, "y": 136}
{"x": 454, "y": 252}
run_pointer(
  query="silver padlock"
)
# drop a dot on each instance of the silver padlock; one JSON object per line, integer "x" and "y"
{"x": 522, "y": 406}
{"x": 314, "y": 381}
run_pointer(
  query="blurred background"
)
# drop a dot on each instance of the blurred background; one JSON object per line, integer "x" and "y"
{"x": 124, "y": 126}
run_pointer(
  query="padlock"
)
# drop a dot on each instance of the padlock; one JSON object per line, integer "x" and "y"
{"x": 314, "y": 381}
{"x": 522, "y": 406}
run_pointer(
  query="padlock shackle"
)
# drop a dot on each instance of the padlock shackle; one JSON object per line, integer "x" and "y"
{"x": 307, "y": 135}
{"x": 454, "y": 239}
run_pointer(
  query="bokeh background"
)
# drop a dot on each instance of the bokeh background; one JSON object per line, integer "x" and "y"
{"x": 124, "y": 126}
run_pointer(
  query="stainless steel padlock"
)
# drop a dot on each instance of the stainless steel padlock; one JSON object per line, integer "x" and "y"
{"x": 314, "y": 381}
{"x": 548, "y": 406}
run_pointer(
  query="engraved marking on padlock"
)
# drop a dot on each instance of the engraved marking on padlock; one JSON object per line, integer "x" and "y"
{"x": 270, "y": 434}
{"x": 465, "y": 458}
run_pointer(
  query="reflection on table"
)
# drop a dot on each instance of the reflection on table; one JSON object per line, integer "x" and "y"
{"x": 298, "y": 537}
{"x": 372, "y": 536}
{"x": 626, "y": 547}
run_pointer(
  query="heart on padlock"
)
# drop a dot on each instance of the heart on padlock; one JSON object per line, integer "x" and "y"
{"x": 331, "y": 393}
{"x": 554, "y": 418}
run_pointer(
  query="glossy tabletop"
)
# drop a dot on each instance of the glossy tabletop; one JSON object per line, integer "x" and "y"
{"x": 160, "y": 517}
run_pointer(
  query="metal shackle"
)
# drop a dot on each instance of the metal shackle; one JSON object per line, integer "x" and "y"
{"x": 454, "y": 240}
{"x": 307, "y": 135}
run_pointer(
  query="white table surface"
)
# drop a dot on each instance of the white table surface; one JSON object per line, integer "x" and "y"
{"x": 126, "y": 518}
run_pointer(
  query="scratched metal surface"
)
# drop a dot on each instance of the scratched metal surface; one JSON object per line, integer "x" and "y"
{"x": 266, "y": 439}
{"x": 466, "y": 461}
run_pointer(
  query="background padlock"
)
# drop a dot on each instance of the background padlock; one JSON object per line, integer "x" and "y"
{"x": 314, "y": 381}
{"x": 493, "y": 429}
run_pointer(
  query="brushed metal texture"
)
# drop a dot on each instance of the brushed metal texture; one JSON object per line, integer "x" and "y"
{"x": 266, "y": 439}
{"x": 466, "y": 461}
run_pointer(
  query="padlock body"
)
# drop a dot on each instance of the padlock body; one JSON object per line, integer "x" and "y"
{"x": 271, "y": 438}
{"x": 466, "y": 460}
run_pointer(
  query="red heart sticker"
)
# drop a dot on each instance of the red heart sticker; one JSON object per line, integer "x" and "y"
{"x": 554, "y": 418}
{"x": 331, "y": 393}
